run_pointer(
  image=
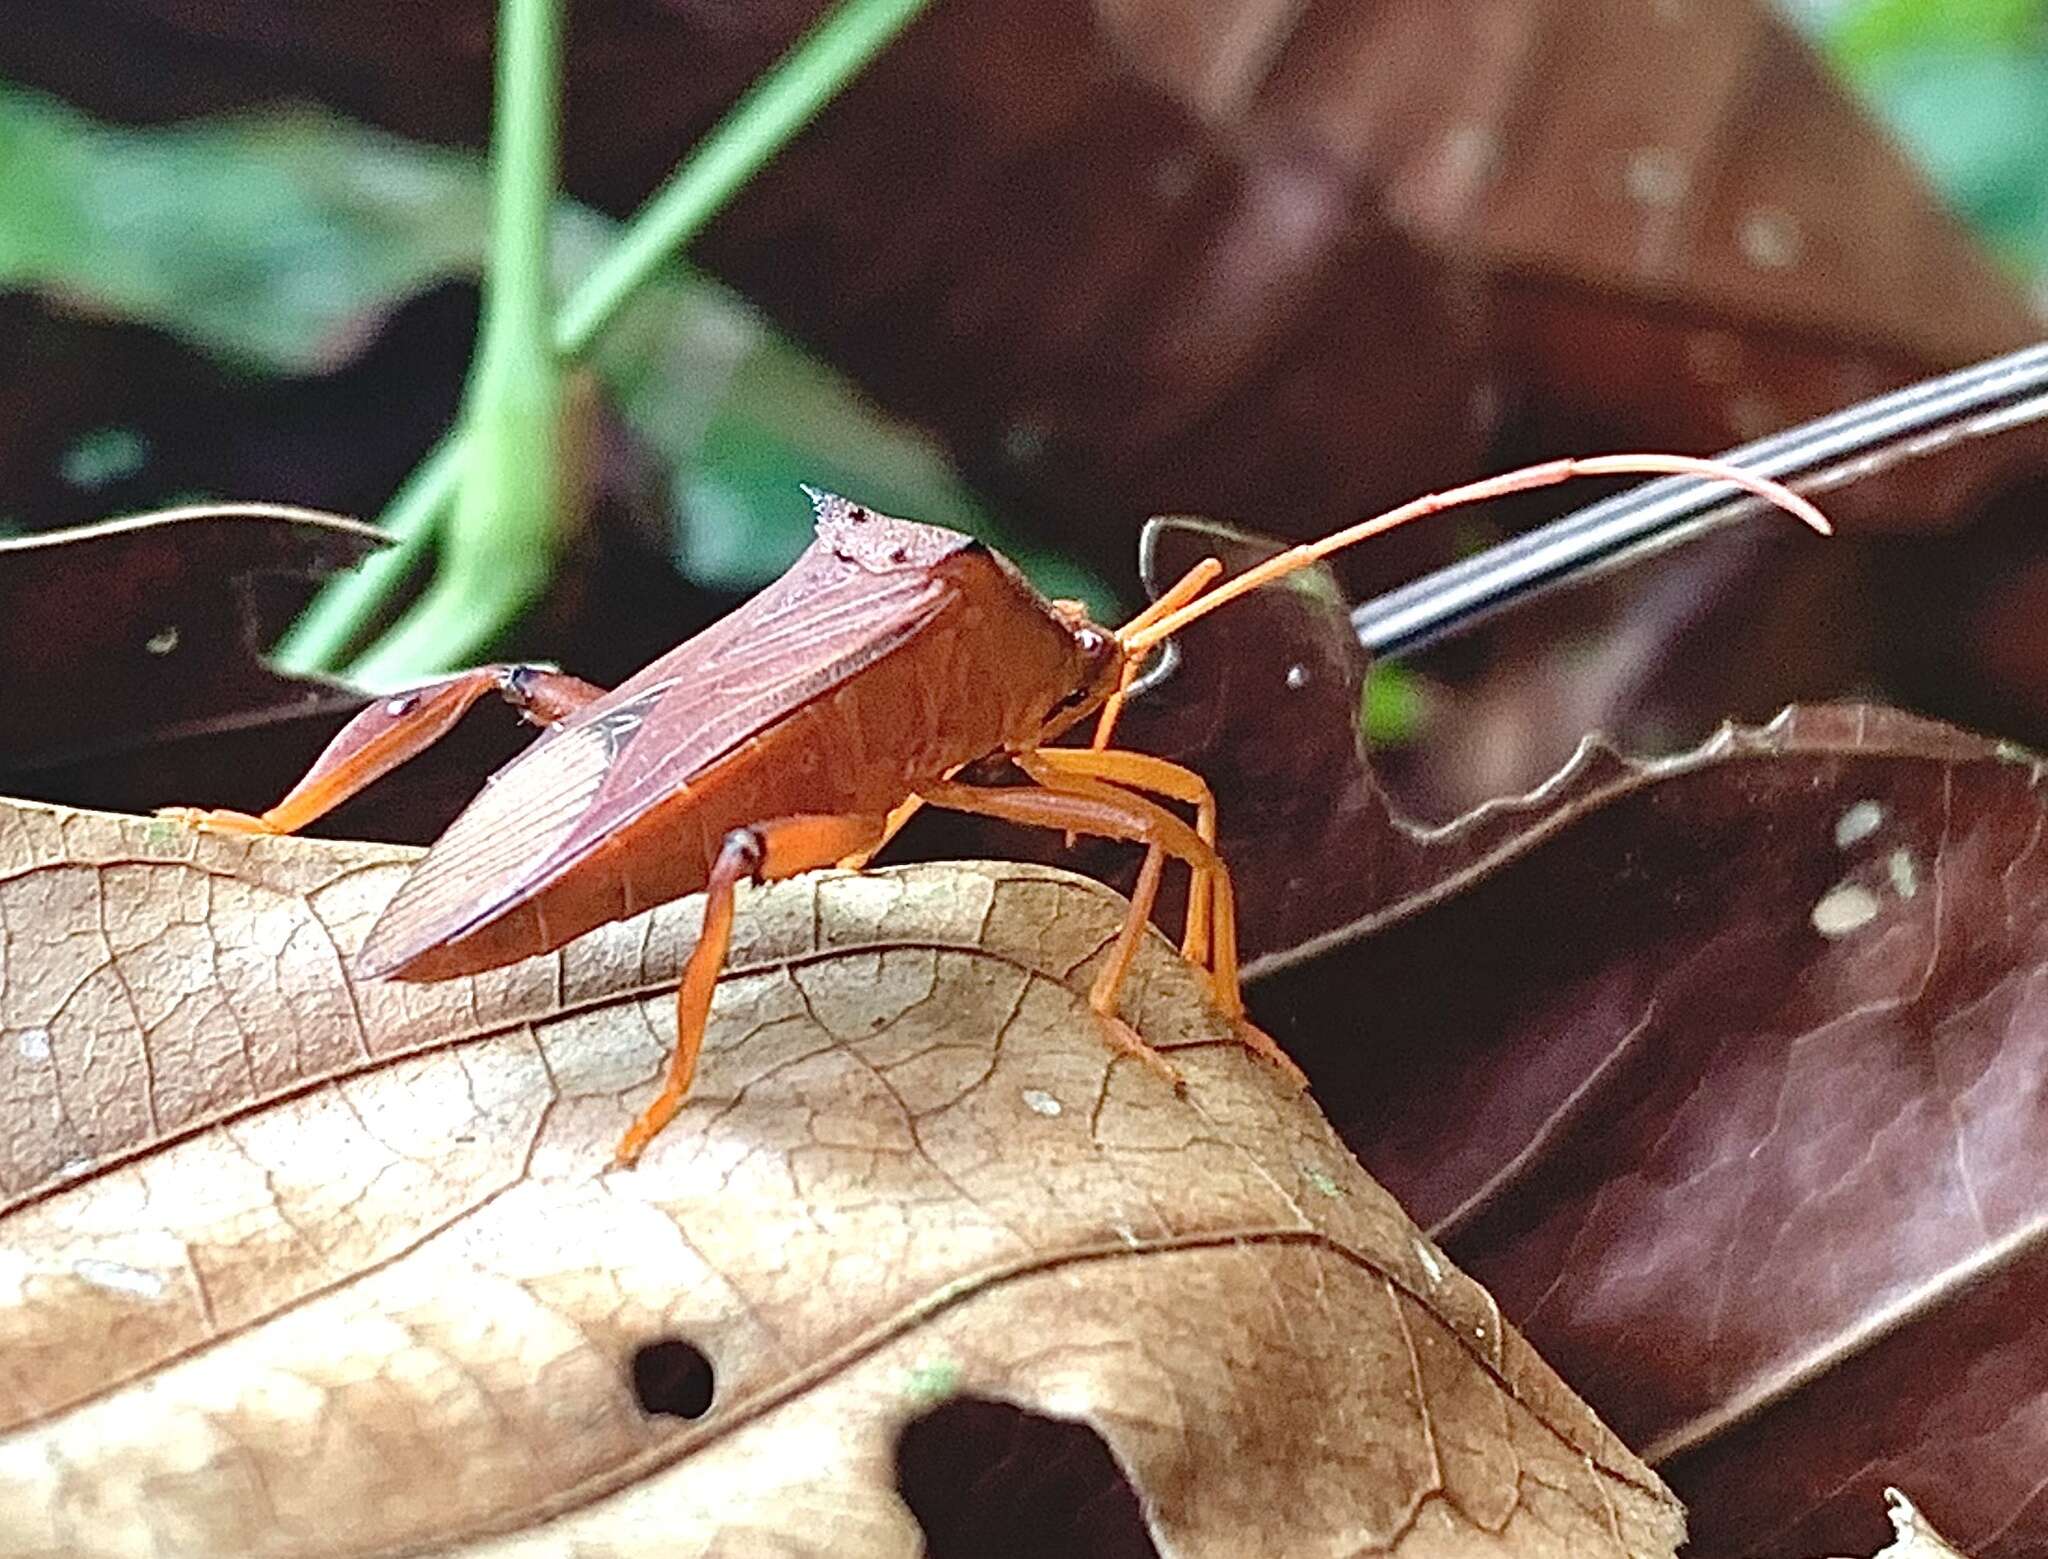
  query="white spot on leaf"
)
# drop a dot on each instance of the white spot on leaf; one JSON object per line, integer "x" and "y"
{"x": 1844, "y": 908}
{"x": 1713, "y": 356}
{"x": 120, "y": 1278}
{"x": 1430, "y": 1264}
{"x": 1753, "y": 416}
{"x": 1468, "y": 155}
{"x": 1041, "y": 1102}
{"x": 1655, "y": 176}
{"x": 1770, "y": 239}
{"x": 1858, "y": 822}
{"x": 34, "y": 1044}
{"x": 1905, "y": 875}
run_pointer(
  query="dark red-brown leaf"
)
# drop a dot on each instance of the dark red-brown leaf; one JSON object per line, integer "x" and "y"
{"x": 139, "y": 631}
{"x": 132, "y": 678}
{"x": 1727, "y": 1073}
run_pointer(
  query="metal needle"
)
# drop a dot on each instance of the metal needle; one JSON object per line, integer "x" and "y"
{"x": 1831, "y": 450}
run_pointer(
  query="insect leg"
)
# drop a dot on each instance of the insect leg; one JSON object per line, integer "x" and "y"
{"x": 1142, "y": 771}
{"x": 1090, "y": 807}
{"x": 777, "y": 849}
{"x": 1102, "y": 996}
{"x": 394, "y": 729}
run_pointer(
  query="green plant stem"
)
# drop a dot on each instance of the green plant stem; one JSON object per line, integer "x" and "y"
{"x": 315, "y": 642}
{"x": 526, "y": 136}
{"x": 498, "y": 549}
{"x": 772, "y": 113}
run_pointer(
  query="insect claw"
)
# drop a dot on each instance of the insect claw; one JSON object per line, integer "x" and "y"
{"x": 1263, "y": 1045}
{"x": 1124, "y": 1040}
{"x": 643, "y": 1131}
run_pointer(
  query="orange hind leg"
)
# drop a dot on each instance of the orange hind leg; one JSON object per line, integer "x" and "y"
{"x": 392, "y": 730}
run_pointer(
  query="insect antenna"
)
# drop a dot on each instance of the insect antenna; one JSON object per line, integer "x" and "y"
{"x": 1190, "y": 599}
{"x": 1190, "y": 585}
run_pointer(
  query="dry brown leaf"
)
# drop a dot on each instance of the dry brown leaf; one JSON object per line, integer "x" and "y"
{"x": 292, "y": 1264}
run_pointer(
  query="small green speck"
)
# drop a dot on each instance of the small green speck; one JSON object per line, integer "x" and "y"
{"x": 1321, "y": 1181}
{"x": 1471, "y": 536}
{"x": 162, "y": 833}
{"x": 1395, "y": 706}
{"x": 102, "y": 457}
{"x": 933, "y": 1380}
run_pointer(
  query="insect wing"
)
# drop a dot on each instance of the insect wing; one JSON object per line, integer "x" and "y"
{"x": 591, "y": 776}
{"x": 488, "y": 857}
{"x": 704, "y": 710}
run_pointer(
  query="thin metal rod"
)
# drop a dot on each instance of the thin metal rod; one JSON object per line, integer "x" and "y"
{"x": 1840, "y": 447}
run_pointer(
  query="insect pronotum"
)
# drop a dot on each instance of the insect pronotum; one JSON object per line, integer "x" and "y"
{"x": 800, "y": 731}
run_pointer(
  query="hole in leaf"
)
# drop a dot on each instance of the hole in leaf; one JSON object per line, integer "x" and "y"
{"x": 673, "y": 1379}
{"x": 990, "y": 1481}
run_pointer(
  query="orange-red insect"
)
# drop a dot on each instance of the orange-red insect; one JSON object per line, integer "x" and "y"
{"x": 799, "y": 732}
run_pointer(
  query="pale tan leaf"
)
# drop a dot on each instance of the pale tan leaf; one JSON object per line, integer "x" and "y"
{"x": 290, "y": 1264}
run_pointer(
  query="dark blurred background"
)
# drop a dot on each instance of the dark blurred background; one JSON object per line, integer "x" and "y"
{"x": 1050, "y": 267}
